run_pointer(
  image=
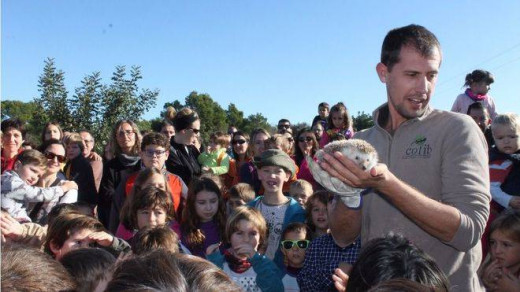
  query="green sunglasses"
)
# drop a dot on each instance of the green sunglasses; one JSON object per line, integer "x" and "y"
{"x": 288, "y": 244}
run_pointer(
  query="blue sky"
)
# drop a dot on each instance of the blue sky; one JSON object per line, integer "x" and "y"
{"x": 278, "y": 58}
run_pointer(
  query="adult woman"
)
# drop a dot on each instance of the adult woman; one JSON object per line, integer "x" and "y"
{"x": 248, "y": 173}
{"x": 240, "y": 143}
{"x": 13, "y": 134}
{"x": 54, "y": 150}
{"x": 126, "y": 143}
{"x": 307, "y": 146}
{"x": 52, "y": 130}
{"x": 182, "y": 160}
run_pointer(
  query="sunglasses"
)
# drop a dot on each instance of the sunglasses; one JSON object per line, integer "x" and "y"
{"x": 239, "y": 142}
{"x": 305, "y": 139}
{"x": 288, "y": 244}
{"x": 195, "y": 131}
{"x": 151, "y": 153}
{"x": 50, "y": 155}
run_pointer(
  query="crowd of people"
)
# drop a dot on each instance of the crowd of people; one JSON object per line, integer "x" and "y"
{"x": 165, "y": 211}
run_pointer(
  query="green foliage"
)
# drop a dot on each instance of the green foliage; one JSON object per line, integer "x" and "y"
{"x": 256, "y": 121}
{"x": 235, "y": 117}
{"x": 362, "y": 121}
{"x": 24, "y": 111}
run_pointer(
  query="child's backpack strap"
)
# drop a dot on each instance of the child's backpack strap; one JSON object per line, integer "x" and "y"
{"x": 220, "y": 157}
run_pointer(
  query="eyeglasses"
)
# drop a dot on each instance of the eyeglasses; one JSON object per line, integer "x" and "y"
{"x": 288, "y": 244}
{"x": 125, "y": 133}
{"x": 50, "y": 155}
{"x": 284, "y": 126}
{"x": 151, "y": 153}
{"x": 195, "y": 131}
{"x": 239, "y": 142}
{"x": 305, "y": 139}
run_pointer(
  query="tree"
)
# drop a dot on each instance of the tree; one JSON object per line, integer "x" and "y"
{"x": 255, "y": 121}
{"x": 25, "y": 112}
{"x": 211, "y": 114}
{"x": 234, "y": 116}
{"x": 87, "y": 105}
{"x": 362, "y": 121}
{"x": 53, "y": 103}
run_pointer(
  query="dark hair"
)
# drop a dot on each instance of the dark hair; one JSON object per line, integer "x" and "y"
{"x": 61, "y": 209}
{"x": 284, "y": 121}
{"x": 340, "y": 108}
{"x": 508, "y": 222}
{"x": 298, "y": 154}
{"x": 184, "y": 118}
{"x": 323, "y": 104}
{"x": 403, "y": 285}
{"x": 476, "y": 106}
{"x": 154, "y": 138}
{"x": 88, "y": 266}
{"x": 13, "y": 123}
{"x": 163, "y": 271}
{"x": 412, "y": 35}
{"x": 53, "y": 123}
{"x": 393, "y": 257}
{"x": 479, "y": 76}
{"x": 246, "y": 137}
{"x": 243, "y": 191}
{"x": 149, "y": 197}
{"x": 28, "y": 269}
{"x": 50, "y": 142}
{"x": 152, "y": 238}
{"x": 322, "y": 196}
{"x": 220, "y": 138}
{"x": 190, "y": 221}
{"x": 297, "y": 227}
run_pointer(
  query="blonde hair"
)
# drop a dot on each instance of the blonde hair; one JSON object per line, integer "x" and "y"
{"x": 250, "y": 215}
{"x": 32, "y": 156}
{"x": 301, "y": 184}
{"x": 508, "y": 119}
{"x": 279, "y": 141}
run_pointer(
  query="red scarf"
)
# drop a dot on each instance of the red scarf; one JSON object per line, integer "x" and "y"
{"x": 475, "y": 97}
{"x": 235, "y": 264}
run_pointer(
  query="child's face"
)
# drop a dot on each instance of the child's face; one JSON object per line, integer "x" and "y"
{"x": 507, "y": 139}
{"x": 73, "y": 150}
{"x": 479, "y": 87}
{"x": 206, "y": 205}
{"x": 234, "y": 203}
{"x": 300, "y": 195}
{"x": 295, "y": 255}
{"x": 77, "y": 240}
{"x": 505, "y": 251}
{"x": 480, "y": 117}
{"x": 151, "y": 217}
{"x": 323, "y": 112}
{"x": 273, "y": 178}
{"x": 319, "y": 215}
{"x": 154, "y": 156}
{"x": 213, "y": 146}
{"x": 52, "y": 132}
{"x": 156, "y": 180}
{"x": 29, "y": 173}
{"x": 337, "y": 120}
{"x": 245, "y": 237}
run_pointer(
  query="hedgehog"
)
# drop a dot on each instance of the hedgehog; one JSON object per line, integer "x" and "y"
{"x": 357, "y": 150}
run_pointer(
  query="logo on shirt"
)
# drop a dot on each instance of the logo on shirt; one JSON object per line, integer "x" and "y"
{"x": 419, "y": 148}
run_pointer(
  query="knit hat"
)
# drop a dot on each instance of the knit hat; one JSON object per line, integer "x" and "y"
{"x": 276, "y": 157}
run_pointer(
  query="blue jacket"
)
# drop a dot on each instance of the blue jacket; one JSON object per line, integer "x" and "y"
{"x": 294, "y": 213}
{"x": 268, "y": 276}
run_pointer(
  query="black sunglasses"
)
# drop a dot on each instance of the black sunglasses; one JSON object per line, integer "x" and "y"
{"x": 239, "y": 142}
{"x": 195, "y": 131}
{"x": 288, "y": 244}
{"x": 302, "y": 139}
{"x": 50, "y": 155}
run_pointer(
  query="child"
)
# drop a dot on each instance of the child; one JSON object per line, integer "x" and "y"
{"x": 18, "y": 188}
{"x": 340, "y": 124}
{"x": 152, "y": 238}
{"x": 322, "y": 117}
{"x": 295, "y": 240}
{"x": 73, "y": 231}
{"x": 275, "y": 168}
{"x": 203, "y": 218}
{"x": 502, "y": 269}
{"x": 148, "y": 207}
{"x": 478, "y": 83}
{"x": 154, "y": 152}
{"x": 78, "y": 169}
{"x": 317, "y": 218}
{"x": 245, "y": 232}
{"x": 216, "y": 160}
{"x": 481, "y": 116}
{"x": 90, "y": 267}
{"x": 300, "y": 190}
{"x": 239, "y": 195}
{"x": 504, "y": 161}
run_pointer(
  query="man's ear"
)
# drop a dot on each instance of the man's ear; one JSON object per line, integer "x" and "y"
{"x": 382, "y": 71}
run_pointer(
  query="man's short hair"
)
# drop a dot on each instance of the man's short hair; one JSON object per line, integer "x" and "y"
{"x": 477, "y": 106}
{"x": 324, "y": 104}
{"x": 28, "y": 269}
{"x": 88, "y": 266}
{"x": 412, "y": 35}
